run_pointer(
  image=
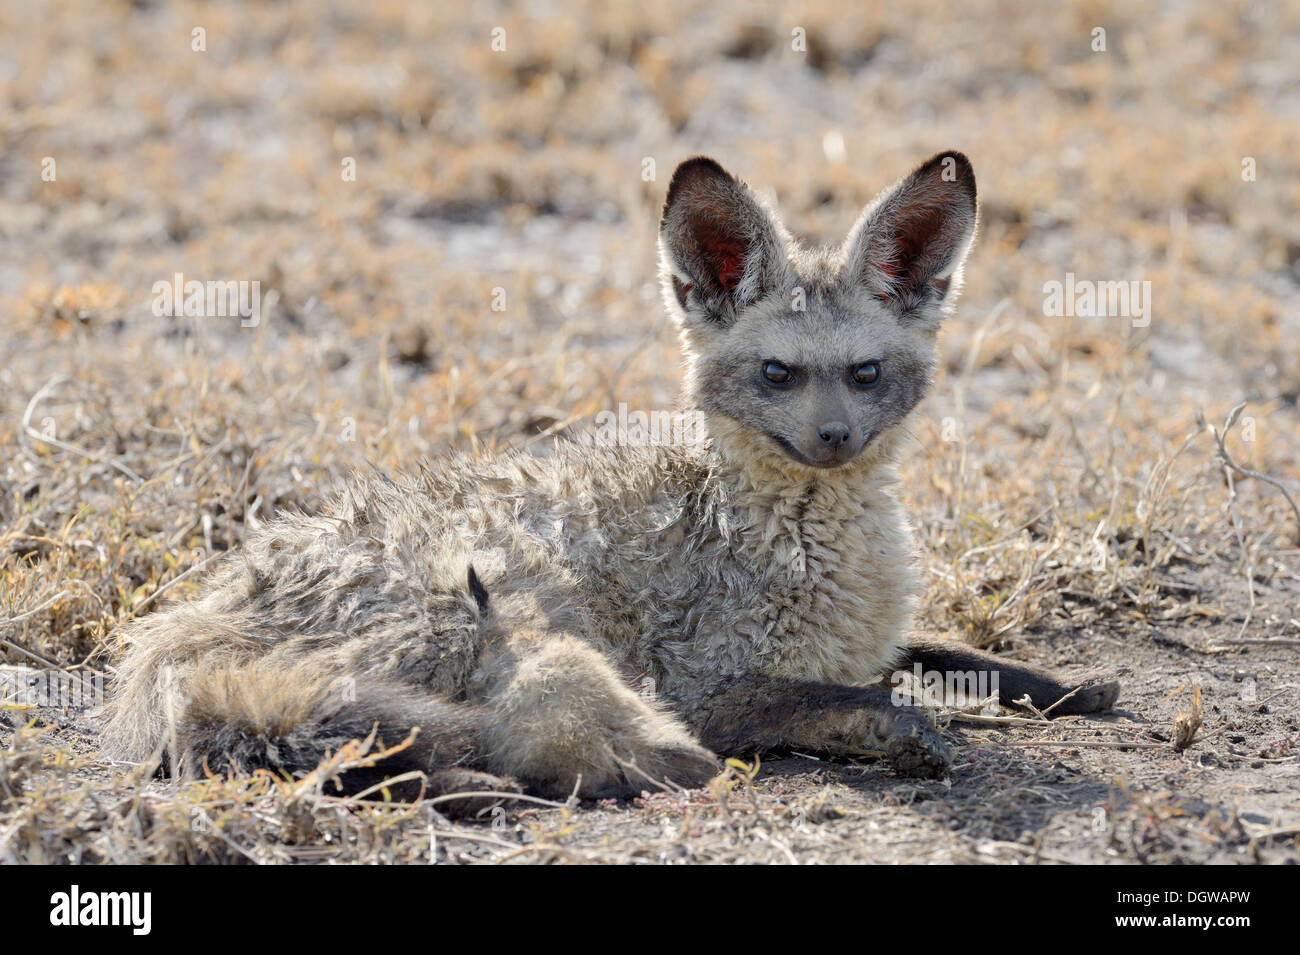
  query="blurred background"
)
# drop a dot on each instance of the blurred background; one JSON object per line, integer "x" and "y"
{"x": 450, "y": 211}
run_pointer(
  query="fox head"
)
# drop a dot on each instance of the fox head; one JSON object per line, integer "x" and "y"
{"x": 812, "y": 360}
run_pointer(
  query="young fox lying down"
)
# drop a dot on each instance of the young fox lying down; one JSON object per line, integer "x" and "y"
{"x": 608, "y": 616}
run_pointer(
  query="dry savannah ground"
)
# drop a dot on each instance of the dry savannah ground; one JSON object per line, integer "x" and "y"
{"x": 454, "y": 246}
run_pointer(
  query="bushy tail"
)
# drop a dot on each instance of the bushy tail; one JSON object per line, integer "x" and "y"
{"x": 266, "y": 714}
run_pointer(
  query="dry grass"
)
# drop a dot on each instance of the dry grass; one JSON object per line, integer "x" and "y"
{"x": 1061, "y": 477}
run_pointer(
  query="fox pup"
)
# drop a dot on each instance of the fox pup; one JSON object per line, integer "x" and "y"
{"x": 605, "y": 617}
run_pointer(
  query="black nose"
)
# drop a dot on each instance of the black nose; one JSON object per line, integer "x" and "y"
{"x": 834, "y": 434}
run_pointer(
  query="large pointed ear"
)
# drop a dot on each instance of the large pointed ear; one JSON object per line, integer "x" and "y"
{"x": 909, "y": 244}
{"x": 719, "y": 249}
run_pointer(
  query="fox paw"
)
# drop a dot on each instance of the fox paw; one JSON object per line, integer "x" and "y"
{"x": 684, "y": 765}
{"x": 918, "y": 751}
{"x": 1098, "y": 690}
{"x": 688, "y": 766}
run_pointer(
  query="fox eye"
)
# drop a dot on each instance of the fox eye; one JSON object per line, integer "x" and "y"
{"x": 776, "y": 373}
{"x": 866, "y": 375}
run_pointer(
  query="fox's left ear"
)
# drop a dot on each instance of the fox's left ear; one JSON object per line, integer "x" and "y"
{"x": 909, "y": 245}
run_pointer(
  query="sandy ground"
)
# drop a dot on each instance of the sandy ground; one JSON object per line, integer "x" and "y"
{"x": 1071, "y": 507}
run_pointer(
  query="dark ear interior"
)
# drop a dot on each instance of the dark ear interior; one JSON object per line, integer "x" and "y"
{"x": 715, "y": 235}
{"x": 709, "y": 234}
{"x": 914, "y": 239}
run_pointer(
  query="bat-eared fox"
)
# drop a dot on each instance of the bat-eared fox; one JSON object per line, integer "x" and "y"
{"x": 616, "y": 615}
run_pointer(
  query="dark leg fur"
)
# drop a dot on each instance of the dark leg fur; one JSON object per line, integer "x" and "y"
{"x": 443, "y": 782}
{"x": 1098, "y": 690}
{"x": 751, "y": 715}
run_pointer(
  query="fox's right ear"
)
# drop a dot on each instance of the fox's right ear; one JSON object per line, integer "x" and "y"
{"x": 719, "y": 249}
